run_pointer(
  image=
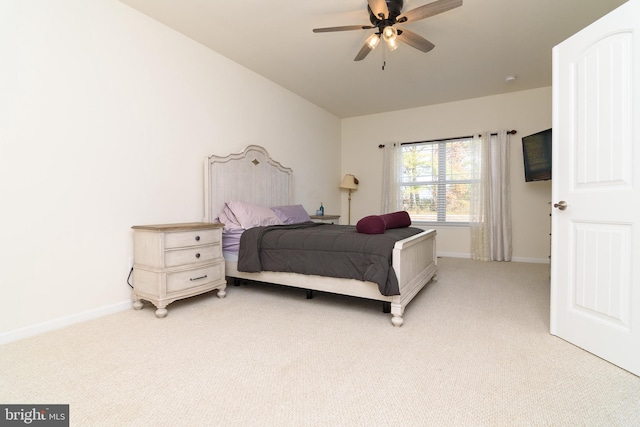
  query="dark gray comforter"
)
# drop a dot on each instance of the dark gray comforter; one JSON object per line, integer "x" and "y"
{"x": 323, "y": 250}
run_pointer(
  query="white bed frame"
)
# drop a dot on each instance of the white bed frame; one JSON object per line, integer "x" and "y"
{"x": 252, "y": 176}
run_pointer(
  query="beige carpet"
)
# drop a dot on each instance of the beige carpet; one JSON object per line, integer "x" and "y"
{"x": 474, "y": 351}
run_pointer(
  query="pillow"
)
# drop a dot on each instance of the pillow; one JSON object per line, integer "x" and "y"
{"x": 291, "y": 214}
{"x": 376, "y": 224}
{"x": 229, "y": 220}
{"x": 398, "y": 219}
{"x": 250, "y": 215}
{"x": 372, "y": 224}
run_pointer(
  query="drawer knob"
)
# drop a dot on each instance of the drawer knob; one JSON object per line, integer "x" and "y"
{"x": 198, "y": 255}
{"x": 193, "y": 279}
{"x": 197, "y": 238}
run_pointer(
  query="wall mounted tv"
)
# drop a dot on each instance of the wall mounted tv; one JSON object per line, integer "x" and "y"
{"x": 536, "y": 150}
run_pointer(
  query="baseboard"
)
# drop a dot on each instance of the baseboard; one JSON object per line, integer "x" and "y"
{"x": 453, "y": 255}
{"x": 532, "y": 260}
{"x": 51, "y": 325}
{"x": 516, "y": 259}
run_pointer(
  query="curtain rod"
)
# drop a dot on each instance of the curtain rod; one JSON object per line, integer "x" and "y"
{"x": 510, "y": 132}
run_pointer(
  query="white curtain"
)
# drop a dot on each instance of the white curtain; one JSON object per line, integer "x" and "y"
{"x": 490, "y": 221}
{"x": 391, "y": 178}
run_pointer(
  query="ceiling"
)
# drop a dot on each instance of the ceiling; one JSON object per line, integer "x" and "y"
{"x": 477, "y": 46}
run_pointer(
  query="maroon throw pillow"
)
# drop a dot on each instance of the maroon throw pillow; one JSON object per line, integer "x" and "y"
{"x": 372, "y": 224}
{"x": 398, "y": 219}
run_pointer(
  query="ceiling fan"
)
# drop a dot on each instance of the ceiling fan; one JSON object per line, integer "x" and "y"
{"x": 384, "y": 14}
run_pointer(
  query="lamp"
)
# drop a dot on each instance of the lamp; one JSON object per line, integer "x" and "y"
{"x": 389, "y": 35}
{"x": 349, "y": 182}
{"x": 373, "y": 41}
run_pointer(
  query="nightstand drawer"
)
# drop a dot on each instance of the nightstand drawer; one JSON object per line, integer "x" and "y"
{"x": 192, "y": 238}
{"x": 177, "y": 257}
{"x": 180, "y": 280}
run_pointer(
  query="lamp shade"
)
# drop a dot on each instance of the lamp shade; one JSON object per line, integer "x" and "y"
{"x": 373, "y": 40}
{"x": 349, "y": 182}
{"x": 389, "y": 34}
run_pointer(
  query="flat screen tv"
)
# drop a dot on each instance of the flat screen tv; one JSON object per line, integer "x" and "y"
{"x": 536, "y": 150}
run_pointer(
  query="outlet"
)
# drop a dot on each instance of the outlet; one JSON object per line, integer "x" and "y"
{"x": 130, "y": 263}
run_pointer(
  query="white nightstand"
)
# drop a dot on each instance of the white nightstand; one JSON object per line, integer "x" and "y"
{"x": 175, "y": 261}
{"x": 329, "y": 219}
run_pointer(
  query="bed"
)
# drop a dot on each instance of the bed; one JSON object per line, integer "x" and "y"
{"x": 251, "y": 176}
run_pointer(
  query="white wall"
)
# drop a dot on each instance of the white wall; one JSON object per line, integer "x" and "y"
{"x": 526, "y": 111}
{"x": 106, "y": 117}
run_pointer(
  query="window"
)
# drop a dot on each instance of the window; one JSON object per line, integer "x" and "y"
{"x": 436, "y": 180}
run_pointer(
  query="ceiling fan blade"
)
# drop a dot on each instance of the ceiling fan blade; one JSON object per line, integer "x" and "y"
{"x": 379, "y": 7}
{"x": 343, "y": 28}
{"x": 415, "y": 40}
{"x": 428, "y": 10}
{"x": 366, "y": 48}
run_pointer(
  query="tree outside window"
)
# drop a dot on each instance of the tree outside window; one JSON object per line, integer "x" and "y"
{"x": 436, "y": 180}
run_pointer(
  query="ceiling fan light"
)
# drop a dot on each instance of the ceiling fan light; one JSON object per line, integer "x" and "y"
{"x": 389, "y": 33}
{"x": 373, "y": 41}
{"x": 392, "y": 44}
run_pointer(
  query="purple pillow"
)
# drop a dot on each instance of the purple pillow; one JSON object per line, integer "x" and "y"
{"x": 229, "y": 220}
{"x": 251, "y": 215}
{"x": 372, "y": 224}
{"x": 291, "y": 214}
{"x": 398, "y": 219}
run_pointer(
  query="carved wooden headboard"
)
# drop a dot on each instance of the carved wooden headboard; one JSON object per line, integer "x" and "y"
{"x": 250, "y": 176}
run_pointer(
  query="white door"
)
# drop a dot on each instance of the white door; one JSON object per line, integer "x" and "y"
{"x": 595, "y": 254}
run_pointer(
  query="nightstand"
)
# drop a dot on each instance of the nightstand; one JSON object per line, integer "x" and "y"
{"x": 175, "y": 261}
{"x": 329, "y": 219}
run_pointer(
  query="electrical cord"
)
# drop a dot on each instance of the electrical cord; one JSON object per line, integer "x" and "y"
{"x": 129, "y": 283}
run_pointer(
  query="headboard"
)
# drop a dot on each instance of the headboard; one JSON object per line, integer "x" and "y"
{"x": 250, "y": 176}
